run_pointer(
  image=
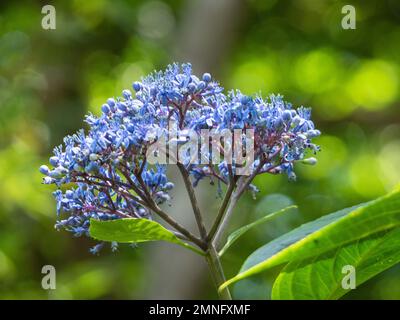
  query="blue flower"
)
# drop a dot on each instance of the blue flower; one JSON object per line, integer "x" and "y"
{"x": 107, "y": 166}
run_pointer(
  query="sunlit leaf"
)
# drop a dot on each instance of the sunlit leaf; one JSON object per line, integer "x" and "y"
{"x": 134, "y": 230}
{"x": 321, "y": 277}
{"x": 324, "y": 234}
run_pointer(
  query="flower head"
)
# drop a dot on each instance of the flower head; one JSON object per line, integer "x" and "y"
{"x": 108, "y": 165}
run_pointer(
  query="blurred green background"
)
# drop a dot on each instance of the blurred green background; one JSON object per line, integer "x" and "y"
{"x": 50, "y": 78}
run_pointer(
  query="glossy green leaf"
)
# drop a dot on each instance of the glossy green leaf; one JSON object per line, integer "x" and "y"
{"x": 324, "y": 234}
{"x": 239, "y": 232}
{"x": 321, "y": 277}
{"x": 134, "y": 230}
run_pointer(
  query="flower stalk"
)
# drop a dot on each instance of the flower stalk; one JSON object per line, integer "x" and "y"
{"x": 116, "y": 170}
{"x": 217, "y": 272}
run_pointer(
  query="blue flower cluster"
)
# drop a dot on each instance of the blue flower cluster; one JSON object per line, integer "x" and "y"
{"x": 108, "y": 168}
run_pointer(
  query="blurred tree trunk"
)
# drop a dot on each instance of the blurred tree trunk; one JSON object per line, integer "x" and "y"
{"x": 207, "y": 30}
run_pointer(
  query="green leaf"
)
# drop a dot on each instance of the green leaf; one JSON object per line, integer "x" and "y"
{"x": 324, "y": 234}
{"x": 134, "y": 230}
{"x": 321, "y": 277}
{"x": 239, "y": 232}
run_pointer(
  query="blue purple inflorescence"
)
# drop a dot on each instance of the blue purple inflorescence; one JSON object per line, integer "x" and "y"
{"x": 106, "y": 173}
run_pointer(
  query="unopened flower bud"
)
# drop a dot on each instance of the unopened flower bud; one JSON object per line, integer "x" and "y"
{"x": 137, "y": 86}
{"x": 207, "y": 77}
{"x": 292, "y": 176}
{"x": 54, "y": 161}
{"x": 310, "y": 161}
{"x": 44, "y": 169}
{"x": 168, "y": 186}
{"x": 48, "y": 180}
{"x": 69, "y": 194}
{"x": 287, "y": 115}
{"x": 111, "y": 102}
{"x": 244, "y": 99}
{"x": 105, "y": 108}
{"x": 127, "y": 94}
{"x": 201, "y": 85}
{"x": 121, "y": 106}
{"x": 313, "y": 134}
{"x": 191, "y": 87}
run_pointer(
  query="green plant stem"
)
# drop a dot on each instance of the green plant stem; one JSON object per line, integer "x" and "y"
{"x": 193, "y": 201}
{"x": 217, "y": 273}
{"x": 223, "y": 225}
{"x": 221, "y": 211}
{"x": 242, "y": 184}
{"x": 179, "y": 227}
{"x": 211, "y": 254}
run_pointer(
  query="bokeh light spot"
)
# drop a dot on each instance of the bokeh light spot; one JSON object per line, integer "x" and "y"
{"x": 255, "y": 76}
{"x": 365, "y": 175}
{"x": 389, "y": 160}
{"x": 374, "y": 85}
{"x": 316, "y": 71}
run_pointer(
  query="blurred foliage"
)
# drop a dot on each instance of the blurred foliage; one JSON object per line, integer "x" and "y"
{"x": 50, "y": 78}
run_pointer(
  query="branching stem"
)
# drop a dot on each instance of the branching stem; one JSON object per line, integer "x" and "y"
{"x": 193, "y": 201}
{"x": 221, "y": 210}
{"x": 179, "y": 227}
